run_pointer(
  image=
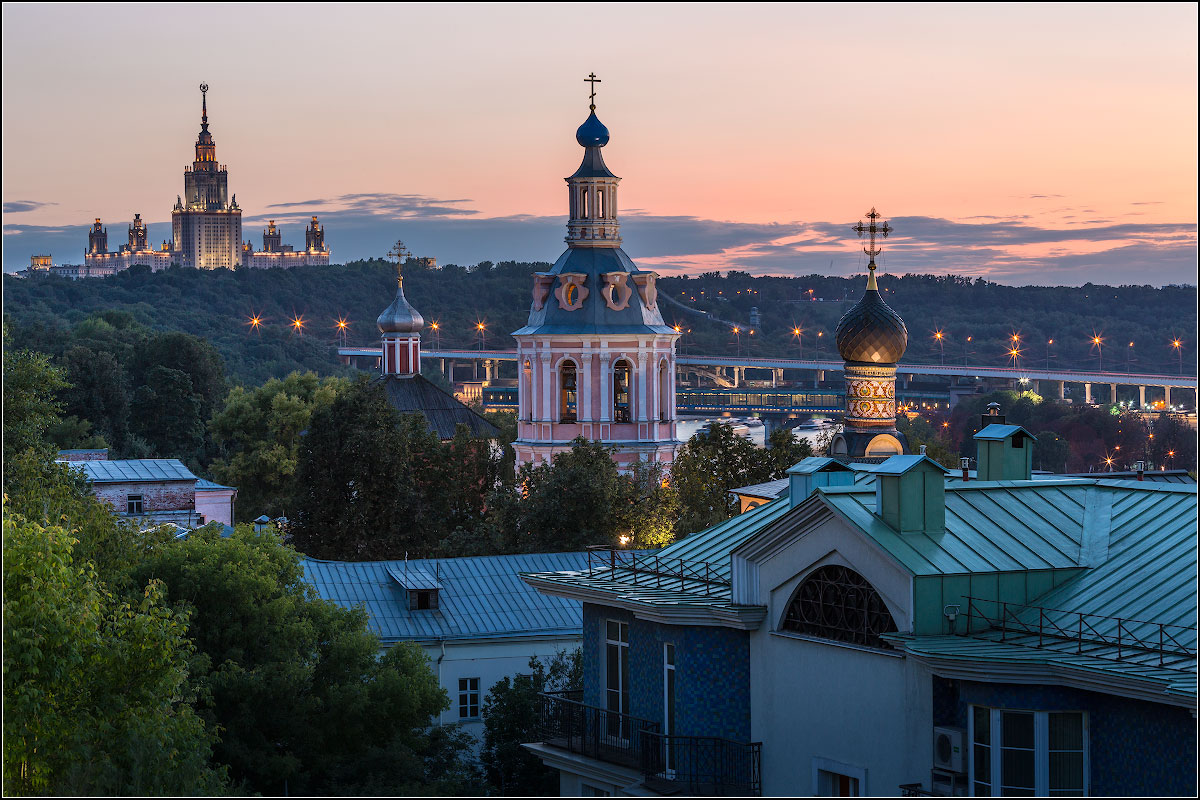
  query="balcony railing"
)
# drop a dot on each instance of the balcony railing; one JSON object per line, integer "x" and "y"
{"x": 650, "y": 569}
{"x": 691, "y": 765}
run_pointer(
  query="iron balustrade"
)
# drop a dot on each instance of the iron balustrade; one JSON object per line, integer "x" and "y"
{"x": 664, "y": 572}
{"x": 565, "y": 722}
{"x": 1132, "y": 637}
{"x": 916, "y": 790}
{"x": 702, "y": 765}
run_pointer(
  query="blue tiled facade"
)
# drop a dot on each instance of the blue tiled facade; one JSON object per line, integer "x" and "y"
{"x": 712, "y": 673}
{"x": 1135, "y": 748}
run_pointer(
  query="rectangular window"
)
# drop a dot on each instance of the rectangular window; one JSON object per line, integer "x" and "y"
{"x": 468, "y": 698}
{"x": 133, "y": 504}
{"x": 1027, "y": 753}
{"x": 616, "y": 676}
{"x": 669, "y": 702}
{"x": 835, "y": 784}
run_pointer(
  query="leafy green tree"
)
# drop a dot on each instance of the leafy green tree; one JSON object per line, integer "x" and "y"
{"x": 707, "y": 468}
{"x": 1050, "y": 452}
{"x": 97, "y": 393}
{"x": 74, "y": 433}
{"x": 30, "y": 407}
{"x": 259, "y": 431}
{"x": 576, "y": 500}
{"x": 510, "y": 713}
{"x": 305, "y": 701}
{"x": 784, "y": 450}
{"x": 191, "y": 355}
{"x": 651, "y": 507}
{"x": 370, "y": 483}
{"x": 168, "y": 414}
{"x": 95, "y": 689}
{"x": 930, "y": 433}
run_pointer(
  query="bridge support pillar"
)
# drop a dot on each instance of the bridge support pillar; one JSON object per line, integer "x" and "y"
{"x": 1141, "y": 397}
{"x": 820, "y": 376}
{"x": 490, "y": 368}
{"x": 776, "y": 378}
{"x": 1167, "y": 396}
{"x": 1087, "y": 393}
{"x": 1062, "y": 390}
{"x": 1112, "y": 393}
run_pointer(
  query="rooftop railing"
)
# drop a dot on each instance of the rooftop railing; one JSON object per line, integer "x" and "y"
{"x": 1019, "y": 624}
{"x": 676, "y": 574}
{"x": 691, "y": 765}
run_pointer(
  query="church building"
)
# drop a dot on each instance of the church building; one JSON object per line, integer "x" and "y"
{"x": 595, "y": 358}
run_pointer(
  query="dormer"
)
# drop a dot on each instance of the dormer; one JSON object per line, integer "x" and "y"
{"x": 812, "y": 472}
{"x": 423, "y": 589}
{"x": 910, "y": 494}
{"x": 1005, "y": 453}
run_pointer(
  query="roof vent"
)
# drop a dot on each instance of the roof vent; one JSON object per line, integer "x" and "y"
{"x": 1005, "y": 453}
{"x": 910, "y": 494}
{"x": 812, "y": 472}
{"x": 992, "y": 416}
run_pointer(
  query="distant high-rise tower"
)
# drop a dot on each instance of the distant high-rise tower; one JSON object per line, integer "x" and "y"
{"x": 137, "y": 233}
{"x": 98, "y": 238}
{"x": 207, "y": 225}
{"x": 595, "y": 358}
{"x": 314, "y": 237}
{"x": 272, "y": 239}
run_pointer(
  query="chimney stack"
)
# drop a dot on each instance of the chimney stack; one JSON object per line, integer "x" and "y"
{"x": 965, "y": 463}
{"x": 992, "y": 416}
{"x": 1140, "y": 466}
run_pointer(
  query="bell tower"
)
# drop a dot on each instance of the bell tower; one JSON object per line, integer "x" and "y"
{"x": 595, "y": 358}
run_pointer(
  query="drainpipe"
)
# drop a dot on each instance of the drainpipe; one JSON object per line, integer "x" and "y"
{"x": 439, "y": 672}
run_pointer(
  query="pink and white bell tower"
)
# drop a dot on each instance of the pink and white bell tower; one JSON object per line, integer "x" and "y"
{"x": 595, "y": 358}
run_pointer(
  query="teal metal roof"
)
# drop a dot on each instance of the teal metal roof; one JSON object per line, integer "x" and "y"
{"x": 134, "y": 470}
{"x": 480, "y": 597}
{"x": 815, "y": 464}
{"x": 898, "y": 465}
{"x": 713, "y": 545}
{"x": 998, "y": 433}
{"x": 202, "y": 483}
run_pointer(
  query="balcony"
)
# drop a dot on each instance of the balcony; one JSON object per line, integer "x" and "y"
{"x": 689, "y": 765}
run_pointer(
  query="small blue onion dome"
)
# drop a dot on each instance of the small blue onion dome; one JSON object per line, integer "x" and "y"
{"x": 592, "y": 132}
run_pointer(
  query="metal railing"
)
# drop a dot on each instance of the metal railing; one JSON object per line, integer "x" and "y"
{"x": 702, "y": 765}
{"x": 564, "y": 721}
{"x": 1131, "y": 638}
{"x": 693, "y": 765}
{"x": 916, "y": 790}
{"x": 661, "y": 573}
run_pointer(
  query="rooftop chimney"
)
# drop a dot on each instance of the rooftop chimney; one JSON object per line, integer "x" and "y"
{"x": 1140, "y": 466}
{"x": 814, "y": 471}
{"x": 992, "y": 416}
{"x": 965, "y": 463}
{"x": 910, "y": 494}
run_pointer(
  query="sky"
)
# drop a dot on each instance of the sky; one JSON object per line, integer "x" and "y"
{"x": 1026, "y": 144}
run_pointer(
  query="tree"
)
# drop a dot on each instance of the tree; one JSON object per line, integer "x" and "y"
{"x": 785, "y": 450}
{"x": 259, "y": 431}
{"x": 574, "y": 501}
{"x": 168, "y": 414}
{"x": 651, "y": 508}
{"x": 190, "y": 355}
{"x": 510, "y": 713}
{"x": 1050, "y": 452}
{"x": 30, "y": 408}
{"x": 930, "y": 433}
{"x": 707, "y": 468}
{"x": 370, "y": 482}
{"x": 97, "y": 393}
{"x": 306, "y": 703}
{"x": 95, "y": 689}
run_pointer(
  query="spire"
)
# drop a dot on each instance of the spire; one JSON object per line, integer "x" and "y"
{"x": 872, "y": 250}
{"x": 204, "y": 106}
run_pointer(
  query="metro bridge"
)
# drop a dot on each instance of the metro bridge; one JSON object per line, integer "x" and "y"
{"x": 731, "y": 370}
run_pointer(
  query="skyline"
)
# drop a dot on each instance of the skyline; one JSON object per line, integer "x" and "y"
{"x": 1036, "y": 158}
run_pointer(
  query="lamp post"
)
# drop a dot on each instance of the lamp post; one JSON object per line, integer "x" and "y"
{"x": 820, "y": 341}
{"x": 737, "y": 332}
{"x": 1128, "y": 357}
{"x": 1178, "y": 345}
{"x": 1098, "y": 343}
{"x": 965, "y": 344}
{"x": 342, "y": 329}
{"x": 437, "y": 334}
{"x": 1049, "y": 343}
{"x": 798, "y": 333}
{"x": 482, "y": 328}
{"x": 941, "y": 340}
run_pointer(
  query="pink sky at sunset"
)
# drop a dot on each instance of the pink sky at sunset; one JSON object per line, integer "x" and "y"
{"x": 1024, "y": 143}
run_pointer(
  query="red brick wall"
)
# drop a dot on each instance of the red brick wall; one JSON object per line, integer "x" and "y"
{"x": 164, "y": 496}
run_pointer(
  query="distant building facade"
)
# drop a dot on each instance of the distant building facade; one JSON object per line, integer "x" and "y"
{"x": 275, "y": 253}
{"x": 134, "y": 251}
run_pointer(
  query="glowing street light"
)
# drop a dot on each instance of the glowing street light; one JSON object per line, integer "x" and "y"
{"x": 1178, "y": 345}
{"x": 255, "y": 322}
{"x": 298, "y": 324}
{"x": 482, "y": 329}
{"x": 1098, "y": 343}
{"x": 1014, "y": 355}
{"x": 437, "y": 333}
{"x": 798, "y": 332}
{"x": 941, "y": 340}
{"x": 342, "y": 328}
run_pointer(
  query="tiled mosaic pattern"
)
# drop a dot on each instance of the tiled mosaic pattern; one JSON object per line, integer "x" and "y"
{"x": 712, "y": 673}
{"x": 1136, "y": 748}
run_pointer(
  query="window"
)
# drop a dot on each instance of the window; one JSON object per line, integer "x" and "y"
{"x": 568, "y": 391}
{"x": 1027, "y": 753}
{"x": 835, "y": 784}
{"x": 835, "y": 602}
{"x": 621, "y": 377}
{"x": 669, "y": 702}
{"x": 616, "y": 676}
{"x": 133, "y": 504}
{"x": 422, "y": 599}
{"x": 664, "y": 393}
{"x": 468, "y": 698}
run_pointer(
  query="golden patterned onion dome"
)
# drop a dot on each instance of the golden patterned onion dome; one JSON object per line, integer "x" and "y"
{"x": 871, "y": 332}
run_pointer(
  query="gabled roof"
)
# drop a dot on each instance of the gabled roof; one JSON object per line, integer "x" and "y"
{"x": 767, "y": 491}
{"x": 443, "y": 412}
{"x": 813, "y": 464}
{"x": 898, "y": 465}
{"x": 135, "y": 470}
{"x": 998, "y": 433}
{"x": 481, "y": 597}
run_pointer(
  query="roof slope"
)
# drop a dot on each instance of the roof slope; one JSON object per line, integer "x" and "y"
{"x": 135, "y": 470}
{"x": 480, "y": 597}
{"x": 443, "y": 412}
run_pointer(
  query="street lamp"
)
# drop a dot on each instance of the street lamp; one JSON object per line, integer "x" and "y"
{"x": 298, "y": 324}
{"x": 254, "y": 322}
{"x": 941, "y": 340}
{"x": 1128, "y": 357}
{"x": 820, "y": 340}
{"x": 737, "y": 332}
{"x": 1014, "y": 355}
{"x": 479, "y": 326}
{"x": 1049, "y": 343}
{"x": 967, "y": 342}
{"x": 437, "y": 334}
{"x": 342, "y": 328}
{"x": 1178, "y": 345}
{"x": 799, "y": 334}
{"x": 1098, "y": 343}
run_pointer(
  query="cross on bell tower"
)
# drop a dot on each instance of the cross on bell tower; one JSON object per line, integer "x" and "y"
{"x": 873, "y": 229}
{"x": 593, "y": 80}
{"x": 401, "y": 254}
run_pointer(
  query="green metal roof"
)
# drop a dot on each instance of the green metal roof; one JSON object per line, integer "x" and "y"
{"x": 715, "y": 544}
{"x": 998, "y": 433}
{"x": 898, "y": 465}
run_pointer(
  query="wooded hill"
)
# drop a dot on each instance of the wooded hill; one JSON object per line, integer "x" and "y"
{"x": 218, "y": 305}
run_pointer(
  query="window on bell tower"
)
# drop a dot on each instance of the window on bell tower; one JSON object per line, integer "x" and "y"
{"x": 622, "y": 373}
{"x": 568, "y": 391}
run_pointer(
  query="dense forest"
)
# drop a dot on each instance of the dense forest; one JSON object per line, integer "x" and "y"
{"x": 976, "y": 318}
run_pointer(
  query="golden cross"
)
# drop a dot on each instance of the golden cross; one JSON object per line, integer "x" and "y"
{"x": 400, "y": 253}
{"x": 872, "y": 229}
{"x": 593, "y": 80}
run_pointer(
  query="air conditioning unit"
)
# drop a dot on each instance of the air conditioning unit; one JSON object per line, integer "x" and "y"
{"x": 949, "y": 749}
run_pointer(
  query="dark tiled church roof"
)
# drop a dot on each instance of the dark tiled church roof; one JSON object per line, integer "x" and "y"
{"x": 443, "y": 412}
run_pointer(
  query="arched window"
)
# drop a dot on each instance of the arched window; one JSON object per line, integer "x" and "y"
{"x": 568, "y": 392}
{"x": 622, "y": 374}
{"x": 835, "y": 602}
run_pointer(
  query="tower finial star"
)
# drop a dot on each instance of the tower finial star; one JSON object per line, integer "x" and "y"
{"x": 593, "y": 80}
{"x": 871, "y": 250}
{"x": 204, "y": 103}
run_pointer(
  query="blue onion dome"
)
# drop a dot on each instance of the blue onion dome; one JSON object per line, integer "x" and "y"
{"x": 592, "y": 132}
{"x": 871, "y": 332}
{"x": 400, "y": 317}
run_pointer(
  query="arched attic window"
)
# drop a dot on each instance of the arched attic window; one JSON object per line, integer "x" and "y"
{"x": 568, "y": 392}
{"x": 622, "y": 374}
{"x": 835, "y": 602}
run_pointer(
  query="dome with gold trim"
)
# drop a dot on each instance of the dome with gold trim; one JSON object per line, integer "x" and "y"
{"x": 871, "y": 332}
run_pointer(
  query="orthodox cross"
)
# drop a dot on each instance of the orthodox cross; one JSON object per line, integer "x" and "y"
{"x": 400, "y": 253}
{"x": 872, "y": 229}
{"x": 593, "y": 80}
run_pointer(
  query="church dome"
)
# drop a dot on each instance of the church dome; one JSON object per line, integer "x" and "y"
{"x": 400, "y": 317}
{"x": 871, "y": 332}
{"x": 592, "y": 132}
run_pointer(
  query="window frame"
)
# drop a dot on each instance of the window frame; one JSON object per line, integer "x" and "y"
{"x": 627, "y": 406}
{"x": 1041, "y": 749}
{"x": 568, "y": 397}
{"x": 130, "y": 501}
{"x": 670, "y": 702}
{"x": 622, "y": 677}
{"x": 468, "y": 699}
